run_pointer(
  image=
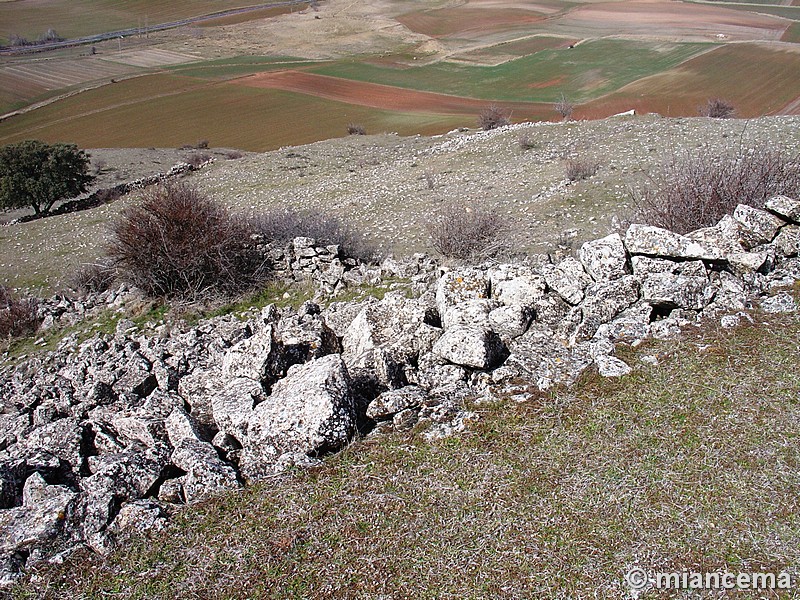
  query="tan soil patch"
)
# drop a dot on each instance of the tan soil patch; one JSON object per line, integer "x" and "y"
{"x": 466, "y": 19}
{"x": 665, "y": 19}
{"x": 383, "y": 96}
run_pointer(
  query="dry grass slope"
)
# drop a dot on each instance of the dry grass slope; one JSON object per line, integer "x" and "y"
{"x": 689, "y": 465}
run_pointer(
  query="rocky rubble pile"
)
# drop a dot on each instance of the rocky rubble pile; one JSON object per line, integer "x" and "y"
{"x": 102, "y": 438}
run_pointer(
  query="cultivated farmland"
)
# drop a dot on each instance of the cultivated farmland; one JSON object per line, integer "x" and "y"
{"x": 85, "y": 17}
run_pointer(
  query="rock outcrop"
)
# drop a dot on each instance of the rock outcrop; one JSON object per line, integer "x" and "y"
{"x": 102, "y": 437}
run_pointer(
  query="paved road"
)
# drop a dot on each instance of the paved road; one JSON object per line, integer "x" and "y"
{"x": 110, "y": 35}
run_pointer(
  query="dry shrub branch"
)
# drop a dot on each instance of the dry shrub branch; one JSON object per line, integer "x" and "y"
{"x": 179, "y": 243}
{"x": 696, "y": 189}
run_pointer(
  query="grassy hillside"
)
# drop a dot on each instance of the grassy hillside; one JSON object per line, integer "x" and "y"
{"x": 691, "y": 465}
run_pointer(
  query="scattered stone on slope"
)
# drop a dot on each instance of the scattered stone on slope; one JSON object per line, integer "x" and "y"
{"x": 611, "y": 366}
{"x": 391, "y": 402}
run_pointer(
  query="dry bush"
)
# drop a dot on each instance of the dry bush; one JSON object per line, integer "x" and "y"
{"x": 202, "y": 145}
{"x": 579, "y": 168}
{"x": 179, "y": 243}
{"x": 717, "y": 108}
{"x": 697, "y": 189}
{"x": 356, "y": 129}
{"x": 18, "y": 317}
{"x": 472, "y": 233}
{"x": 280, "y": 226}
{"x": 93, "y": 278}
{"x": 526, "y": 141}
{"x": 493, "y": 117}
{"x": 233, "y": 155}
{"x": 196, "y": 159}
{"x": 564, "y": 108}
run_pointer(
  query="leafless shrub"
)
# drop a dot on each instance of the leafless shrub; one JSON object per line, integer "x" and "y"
{"x": 93, "y": 278}
{"x": 18, "y": 317}
{"x": 493, "y": 117}
{"x": 99, "y": 165}
{"x": 282, "y": 225}
{"x": 579, "y": 168}
{"x": 471, "y": 233}
{"x": 202, "y": 145}
{"x": 564, "y": 108}
{"x": 526, "y": 141}
{"x": 17, "y": 41}
{"x": 430, "y": 179}
{"x": 196, "y": 159}
{"x": 697, "y": 188}
{"x": 717, "y": 108}
{"x": 233, "y": 155}
{"x": 179, "y": 243}
{"x": 356, "y": 129}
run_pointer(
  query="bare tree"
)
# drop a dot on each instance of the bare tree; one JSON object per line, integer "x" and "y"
{"x": 564, "y": 108}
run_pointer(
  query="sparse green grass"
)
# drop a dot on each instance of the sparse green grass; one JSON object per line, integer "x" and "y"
{"x": 229, "y": 68}
{"x": 689, "y": 465}
{"x": 582, "y": 73}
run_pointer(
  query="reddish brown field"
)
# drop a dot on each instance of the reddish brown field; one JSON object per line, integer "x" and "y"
{"x": 664, "y": 19}
{"x": 463, "y": 20}
{"x": 770, "y": 72}
{"x": 385, "y": 97}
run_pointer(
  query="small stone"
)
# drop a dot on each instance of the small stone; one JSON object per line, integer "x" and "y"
{"x": 611, "y": 366}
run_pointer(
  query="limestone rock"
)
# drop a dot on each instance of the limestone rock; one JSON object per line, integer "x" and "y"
{"x": 206, "y": 473}
{"x": 309, "y": 411}
{"x": 605, "y": 259}
{"x": 787, "y": 241}
{"x": 459, "y": 285}
{"x": 469, "y": 312}
{"x": 747, "y": 262}
{"x": 392, "y": 402}
{"x": 646, "y": 265}
{"x": 568, "y": 278}
{"x": 610, "y": 366}
{"x": 779, "y": 303}
{"x": 725, "y": 235}
{"x": 516, "y": 285}
{"x": 255, "y": 357}
{"x": 510, "y": 321}
{"x": 665, "y": 289}
{"x": 785, "y": 207}
{"x": 757, "y": 226}
{"x": 470, "y": 346}
{"x": 233, "y": 406}
{"x": 655, "y": 241}
{"x": 606, "y": 300}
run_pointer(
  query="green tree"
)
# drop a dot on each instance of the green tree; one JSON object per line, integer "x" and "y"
{"x": 38, "y": 175}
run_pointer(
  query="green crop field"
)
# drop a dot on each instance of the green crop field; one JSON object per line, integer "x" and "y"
{"x": 584, "y": 72}
{"x": 138, "y": 113}
{"x": 229, "y": 68}
{"x": 792, "y": 34}
{"x": 518, "y": 48}
{"x": 75, "y": 18}
{"x": 680, "y": 91}
{"x": 787, "y": 12}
